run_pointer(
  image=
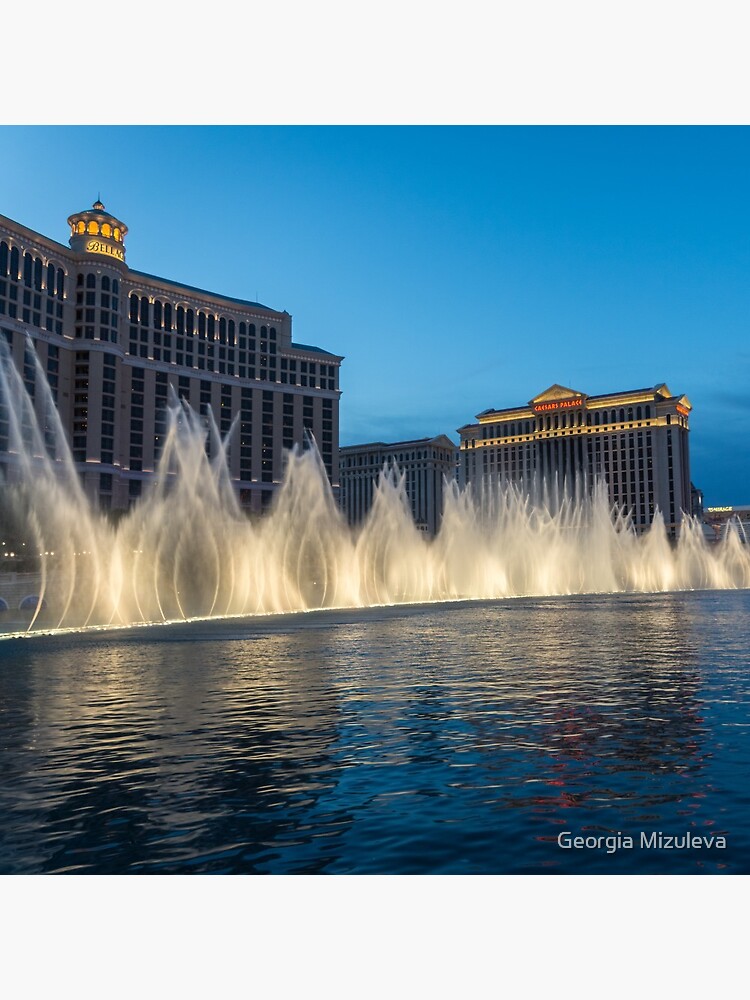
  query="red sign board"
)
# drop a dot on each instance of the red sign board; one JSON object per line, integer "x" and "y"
{"x": 558, "y": 404}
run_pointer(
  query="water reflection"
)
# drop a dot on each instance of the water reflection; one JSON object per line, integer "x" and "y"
{"x": 458, "y": 738}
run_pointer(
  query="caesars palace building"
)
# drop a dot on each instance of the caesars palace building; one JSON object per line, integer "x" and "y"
{"x": 113, "y": 342}
{"x": 637, "y": 441}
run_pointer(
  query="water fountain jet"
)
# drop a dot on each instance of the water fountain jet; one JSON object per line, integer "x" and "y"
{"x": 186, "y": 549}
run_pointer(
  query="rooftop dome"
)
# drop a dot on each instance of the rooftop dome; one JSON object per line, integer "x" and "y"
{"x": 97, "y": 231}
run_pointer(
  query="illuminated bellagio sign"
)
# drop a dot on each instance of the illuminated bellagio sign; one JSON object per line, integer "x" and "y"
{"x": 97, "y": 246}
{"x": 558, "y": 404}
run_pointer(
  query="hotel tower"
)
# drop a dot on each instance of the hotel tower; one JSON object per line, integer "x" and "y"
{"x": 114, "y": 343}
{"x": 636, "y": 441}
{"x": 426, "y": 464}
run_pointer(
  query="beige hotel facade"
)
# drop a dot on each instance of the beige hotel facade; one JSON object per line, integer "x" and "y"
{"x": 635, "y": 440}
{"x": 113, "y": 342}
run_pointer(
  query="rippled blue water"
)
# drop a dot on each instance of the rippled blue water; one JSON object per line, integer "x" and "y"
{"x": 452, "y": 738}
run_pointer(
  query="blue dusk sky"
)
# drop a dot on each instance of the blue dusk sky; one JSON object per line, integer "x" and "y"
{"x": 455, "y": 267}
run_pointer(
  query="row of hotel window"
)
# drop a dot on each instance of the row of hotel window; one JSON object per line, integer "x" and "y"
{"x": 31, "y": 291}
{"x": 181, "y": 319}
{"x": 251, "y": 359}
{"x": 31, "y": 272}
{"x": 224, "y": 417}
{"x": 376, "y": 459}
{"x": 626, "y": 447}
{"x": 628, "y": 471}
{"x": 29, "y": 375}
{"x": 97, "y": 317}
{"x": 107, "y": 298}
{"x": 559, "y": 421}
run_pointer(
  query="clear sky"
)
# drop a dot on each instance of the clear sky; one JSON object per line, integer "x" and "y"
{"x": 456, "y": 268}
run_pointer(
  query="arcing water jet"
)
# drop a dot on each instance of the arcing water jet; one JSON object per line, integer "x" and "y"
{"x": 187, "y": 550}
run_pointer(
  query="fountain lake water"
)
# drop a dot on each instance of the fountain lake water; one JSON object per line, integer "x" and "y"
{"x": 186, "y": 549}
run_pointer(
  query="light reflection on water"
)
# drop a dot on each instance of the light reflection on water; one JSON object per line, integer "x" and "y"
{"x": 457, "y": 738}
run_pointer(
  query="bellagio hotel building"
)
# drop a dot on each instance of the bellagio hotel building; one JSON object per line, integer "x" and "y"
{"x": 114, "y": 341}
{"x": 636, "y": 441}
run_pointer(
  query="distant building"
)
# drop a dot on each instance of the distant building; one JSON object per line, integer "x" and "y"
{"x": 425, "y": 462}
{"x": 113, "y": 342}
{"x": 717, "y": 518}
{"x": 636, "y": 441}
{"x": 696, "y": 501}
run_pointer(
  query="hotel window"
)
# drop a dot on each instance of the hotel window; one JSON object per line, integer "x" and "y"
{"x": 80, "y": 403}
{"x": 161, "y": 391}
{"x": 50, "y": 279}
{"x": 225, "y": 410}
{"x": 136, "y": 419}
{"x": 266, "y": 464}
{"x": 246, "y": 433}
{"x": 205, "y": 390}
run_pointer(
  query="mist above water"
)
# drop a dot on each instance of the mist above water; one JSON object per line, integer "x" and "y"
{"x": 186, "y": 549}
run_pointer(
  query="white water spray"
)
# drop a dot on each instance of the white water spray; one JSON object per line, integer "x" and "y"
{"x": 187, "y": 550}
